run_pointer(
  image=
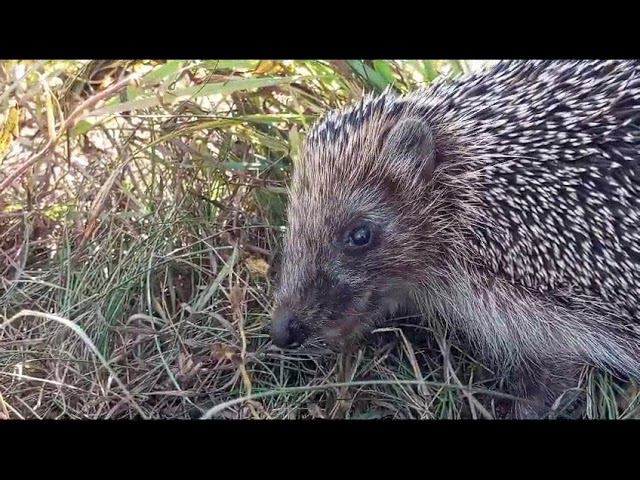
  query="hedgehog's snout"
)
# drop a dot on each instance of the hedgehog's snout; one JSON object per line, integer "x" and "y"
{"x": 286, "y": 330}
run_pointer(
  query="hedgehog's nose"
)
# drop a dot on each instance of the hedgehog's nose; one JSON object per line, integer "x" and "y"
{"x": 286, "y": 330}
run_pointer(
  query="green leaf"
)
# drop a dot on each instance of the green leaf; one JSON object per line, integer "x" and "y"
{"x": 456, "y": 67}
{"x": 242, "y": 166}
{"x": 225, "y": 87}
{"x": 82, "y": 127}
{"x": 430, "y": 70}
{"x": 235, "y": 65}
{"x": 230, "y": 86}
{"x": 383, "y": 67}
{"x": 161, "y": 72}
{"x": 368, "y": 74}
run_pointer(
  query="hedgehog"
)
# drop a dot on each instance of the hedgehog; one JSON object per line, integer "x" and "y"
{"x": 503, "y": 206}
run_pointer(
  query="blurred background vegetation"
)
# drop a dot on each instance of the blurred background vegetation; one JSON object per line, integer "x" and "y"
{"x": 141, "y": 207}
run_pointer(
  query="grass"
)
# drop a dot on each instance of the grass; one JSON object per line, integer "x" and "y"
{"x": 141, "y": 207}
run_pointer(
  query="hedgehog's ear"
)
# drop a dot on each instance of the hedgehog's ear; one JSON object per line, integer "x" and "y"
{"x": 410, "y": 147}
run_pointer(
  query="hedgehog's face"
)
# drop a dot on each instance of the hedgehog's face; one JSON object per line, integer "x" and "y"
{"x": 349, "y": 258}
{"x": 336, "y": 279}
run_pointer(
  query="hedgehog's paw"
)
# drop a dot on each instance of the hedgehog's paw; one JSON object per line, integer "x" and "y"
{"x": 529, "y": 409}
{"x": 546, "y": 393}
{"x": 542, "y": 407}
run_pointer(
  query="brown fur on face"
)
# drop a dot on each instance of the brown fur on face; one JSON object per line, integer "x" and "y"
{"x": 381, "y": 165}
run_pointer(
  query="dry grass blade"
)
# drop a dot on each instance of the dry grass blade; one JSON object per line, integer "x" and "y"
{"x": 212, "y": 412}
{"x": 78, "y": 331}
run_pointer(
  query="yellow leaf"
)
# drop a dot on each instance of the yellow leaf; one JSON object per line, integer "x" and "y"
{"x": 9, "y": 130}
{"x": 51, "y": 119}
{"x": 294, "y": 144}
{"x": 266, "y": 66}
{"x": 257, "y": 265}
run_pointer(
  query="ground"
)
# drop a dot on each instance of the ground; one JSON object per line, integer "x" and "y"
{"x": 141, "y": 210}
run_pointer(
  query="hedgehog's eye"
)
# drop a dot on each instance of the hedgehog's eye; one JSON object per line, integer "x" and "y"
{"x": 360, "y": 236}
